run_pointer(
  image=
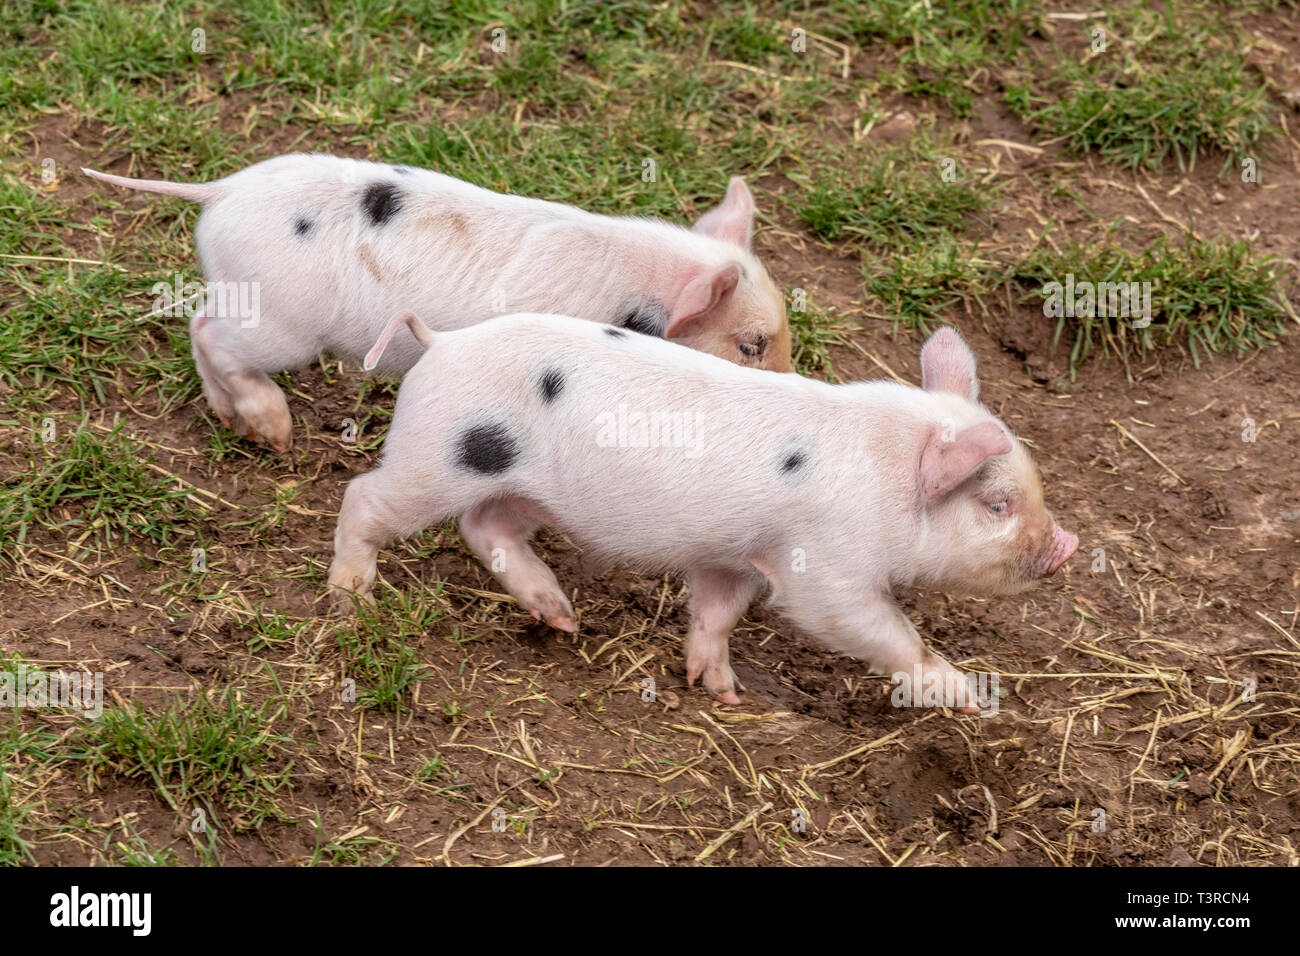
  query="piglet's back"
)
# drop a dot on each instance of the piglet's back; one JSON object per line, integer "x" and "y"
{"x": 638, "y": 447}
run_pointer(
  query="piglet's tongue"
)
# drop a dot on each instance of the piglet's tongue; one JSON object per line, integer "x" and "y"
{"x": 1063, "y": 545}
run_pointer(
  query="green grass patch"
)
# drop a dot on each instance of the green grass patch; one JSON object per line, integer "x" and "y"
{"x": 19, "y": 749}
{"x": 1160, "y": 90}
{"x": 213, "y": 751}
{"x": 352, "y": 851}
{"x": 944, "y": 44}
{"x": 90, "y": 480}
{"x": 381, "y": 647}
{"x": 813, "y": 331}
{"x": 904, "y": 195}
{"x": 918, "y": 286}
{"x": 134, "y": 850}
{"x": 667, "y": 151}
{"x": 89, "y": 332}
{"x": 274, "y": 630}
{"x": 1214, "y": 296}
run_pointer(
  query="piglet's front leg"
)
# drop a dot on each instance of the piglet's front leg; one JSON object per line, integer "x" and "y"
{"x": 889, "y": 642}
{"x": 718, "y": 599}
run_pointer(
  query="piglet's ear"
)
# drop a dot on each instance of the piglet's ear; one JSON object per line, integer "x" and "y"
{"x": 950, "y": 457}
{"x": 700, "y": 296}
{"x": 733, "y": 221}
{"x": 948, "y": 365}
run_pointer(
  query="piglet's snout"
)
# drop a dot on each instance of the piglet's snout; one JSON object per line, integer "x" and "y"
{"x": 1064, "y": 544}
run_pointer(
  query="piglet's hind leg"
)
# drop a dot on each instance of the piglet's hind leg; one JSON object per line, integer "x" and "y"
{"x": 375, "y": 511}
{"x": 219, "y": 400}
{"x": 498, "y": 534}
{"x": 261, "y": 412}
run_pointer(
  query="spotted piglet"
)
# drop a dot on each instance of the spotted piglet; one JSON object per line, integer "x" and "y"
{"x": 315, "y": 251}
{"x": 832, "y": 495}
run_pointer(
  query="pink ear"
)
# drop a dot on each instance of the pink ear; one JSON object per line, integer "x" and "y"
{"x": 733, "y": 221}
{"x": 945, "y": 464}
{"x": 948, "y": 365}
{"x": 700, "y": 296}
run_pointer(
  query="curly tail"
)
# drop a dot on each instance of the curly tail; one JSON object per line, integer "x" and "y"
{"x": 422, "y": 334}
{"x": 196, "y": 192}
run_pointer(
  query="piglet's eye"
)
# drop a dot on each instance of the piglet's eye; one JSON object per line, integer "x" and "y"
{"x": 753, "y": 349}
{"x": 997, "y": 507}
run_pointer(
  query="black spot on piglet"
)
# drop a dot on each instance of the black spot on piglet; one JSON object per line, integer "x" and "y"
{"x": 793, "y": 462}
{"x": 614, "y": 333}
{"x": 644, "y": 314}
{"x": 302, "y": 226}
{"x": 487, "y": 449}
{"x": 381, "y": 202}
{"x": 552, "y": 384}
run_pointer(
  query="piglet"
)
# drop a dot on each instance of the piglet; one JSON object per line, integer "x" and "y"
{"x": 303, "y": 252}
{"x": 833, "y": 495}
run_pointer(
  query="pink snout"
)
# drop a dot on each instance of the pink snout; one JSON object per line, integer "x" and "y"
{"x": 1064, "y": 544}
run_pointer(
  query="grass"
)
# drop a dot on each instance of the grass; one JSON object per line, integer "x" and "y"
{"x": 898, "y": 195}
{"x": 350, "y": 850}
{"x": 917, "y": 287}
{"x": 678, "y": 124}
{"x": 381, "y": 648}
{"x": 1160, "y": 90}
{"x": 943, "y": 46}
{"x": 813, "y": 331}
{"x": 1215, "y": 296}
{"x": 1211, "y": 297}
{"x": 209, "y": 752}
{"x": 274, "y": 630}
{"x": 86, "y": 331}
{"x": 19, "y": 749}
{"x": 90, "y": 484}
{"x": 136, "y": 851}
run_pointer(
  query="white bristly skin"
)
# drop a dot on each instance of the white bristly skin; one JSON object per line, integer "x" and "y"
{"x": 335, "y": 246}
{"x": 834, "y": 495}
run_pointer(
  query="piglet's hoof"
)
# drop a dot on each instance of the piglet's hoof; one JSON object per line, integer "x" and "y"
{"x": 555, "y": 610}
{"x": 967, "y": 698}
{"x": 343, "y": 603}
{"x": 722, "y": 687}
